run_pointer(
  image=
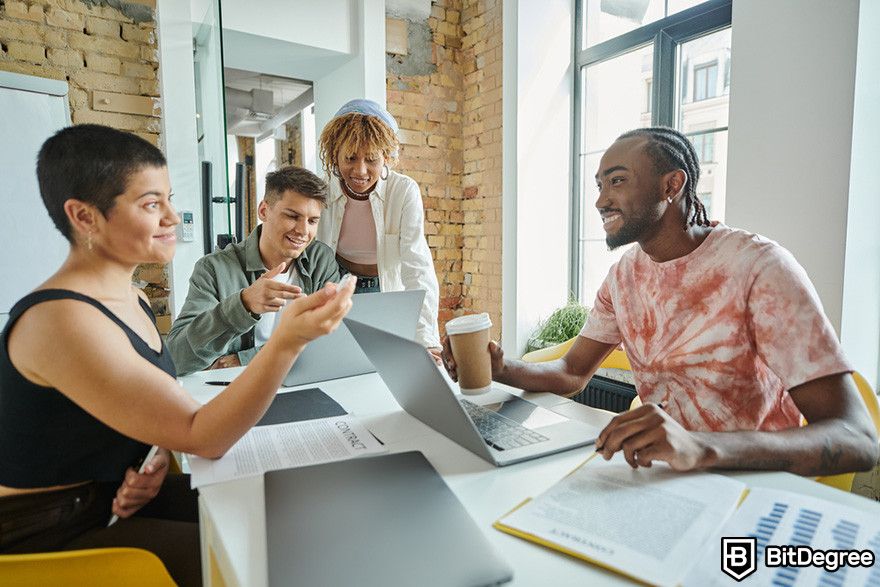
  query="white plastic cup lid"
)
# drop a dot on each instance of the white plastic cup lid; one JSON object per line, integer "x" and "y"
{"x": 469, "y": 323}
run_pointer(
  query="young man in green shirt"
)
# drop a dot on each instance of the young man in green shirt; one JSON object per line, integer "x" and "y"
{"x": 236, "y": 294}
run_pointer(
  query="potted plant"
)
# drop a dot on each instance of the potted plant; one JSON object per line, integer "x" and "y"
{"x": 563, "y": 324}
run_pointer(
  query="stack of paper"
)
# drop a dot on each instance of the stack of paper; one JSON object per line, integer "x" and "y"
{"x": 667, "y": 528}
{"x": 283, "y": 446}
{"x": 643, "y": 523}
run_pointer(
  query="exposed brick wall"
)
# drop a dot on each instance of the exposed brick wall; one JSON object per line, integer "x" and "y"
{"x": 95, "y": 48}
{"x": 110, "y": 62}
{"x": 450, "y": 120}
{"x": 428, "y": 109}
{"x": 481, "y": 181}
{"x": 290, "y": 148}
{"x": 246, "y": 148}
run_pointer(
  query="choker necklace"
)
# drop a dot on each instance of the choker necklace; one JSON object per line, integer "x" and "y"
{"x": 353, "y": 194}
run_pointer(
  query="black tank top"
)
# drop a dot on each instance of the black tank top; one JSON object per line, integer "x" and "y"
{"x": 45, "y": 438}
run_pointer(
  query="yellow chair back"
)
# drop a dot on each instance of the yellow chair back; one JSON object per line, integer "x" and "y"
{"x": 97, "y": 567}
{"x": 616, "y": 360}
{"x": 551, "y": 353}
{"x": 844, "y": 481}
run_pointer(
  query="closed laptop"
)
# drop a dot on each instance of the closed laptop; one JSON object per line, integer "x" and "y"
{"x": 373, "y": 522}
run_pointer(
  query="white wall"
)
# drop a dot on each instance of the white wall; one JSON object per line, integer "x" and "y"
{"x": 791, "y": 108}
{"x": 363, "y": 76}
{"x": 860, "y": 323}
{"x": 323, "y": 24}
{"x": 537, "y": 105}
{"x": 177, "y": 88}
{"x": 790, "y": 174}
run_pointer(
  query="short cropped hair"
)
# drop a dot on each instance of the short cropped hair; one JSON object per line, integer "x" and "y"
{"x": 91, "y": 163}
{"x": 297, "y": 179}
{"x": 348, "y": 133}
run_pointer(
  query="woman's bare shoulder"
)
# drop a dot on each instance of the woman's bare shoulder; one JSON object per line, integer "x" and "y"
{"x": 50, "y": 322}
{"x": 55, "y": 332}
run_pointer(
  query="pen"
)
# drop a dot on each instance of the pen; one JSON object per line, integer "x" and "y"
{"x": 217, "y": 382}
{"x": 144, "y": 464}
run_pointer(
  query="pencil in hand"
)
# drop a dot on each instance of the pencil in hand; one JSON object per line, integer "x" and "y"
{"x": 143, "y": 466}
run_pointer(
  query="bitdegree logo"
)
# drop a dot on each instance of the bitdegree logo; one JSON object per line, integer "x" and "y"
{"x": 805, "y": 556}
{"x": 738, "y": 557}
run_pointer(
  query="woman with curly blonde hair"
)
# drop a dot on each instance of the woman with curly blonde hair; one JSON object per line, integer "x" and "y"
{"x": 374, "y": 218}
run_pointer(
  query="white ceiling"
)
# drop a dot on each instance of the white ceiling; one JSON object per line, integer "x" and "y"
{"x": 284, "y": 91}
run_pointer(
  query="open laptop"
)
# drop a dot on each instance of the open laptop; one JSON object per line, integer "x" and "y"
{"x": 338, "y": 355}
{"x": 497, "y": 426}
{"x": 373, "y": 522}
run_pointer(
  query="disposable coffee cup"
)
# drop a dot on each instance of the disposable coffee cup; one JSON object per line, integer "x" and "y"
{"x": 469, "y": 339}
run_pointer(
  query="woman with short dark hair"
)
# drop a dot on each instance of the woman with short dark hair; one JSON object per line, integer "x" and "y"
{"x": 86, "y": 384}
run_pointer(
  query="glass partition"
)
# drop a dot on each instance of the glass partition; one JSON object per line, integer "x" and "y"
{"x": 249, "y": 122}
{"x": 217, "y": 205}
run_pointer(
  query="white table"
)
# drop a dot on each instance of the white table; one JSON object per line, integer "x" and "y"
{"x": 232, "y": 514}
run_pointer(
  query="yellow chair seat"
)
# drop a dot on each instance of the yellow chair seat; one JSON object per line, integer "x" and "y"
{"x": 96, "y": 567}
{"x": 844, "y": 481}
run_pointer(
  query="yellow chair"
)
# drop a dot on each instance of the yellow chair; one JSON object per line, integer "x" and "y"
{"x": 551, "y": 353}
{"x": 844, "y": 481}
{"x": 616, "y": 360}
{"x": 96, "y": 567}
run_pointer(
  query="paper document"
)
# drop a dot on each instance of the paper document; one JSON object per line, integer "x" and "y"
{"x": 782, "y": 518}
{"x": 644, "y": 523}
{"x": 283, "y": 446}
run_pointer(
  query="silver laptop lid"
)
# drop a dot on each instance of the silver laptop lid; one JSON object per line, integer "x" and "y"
{"x": 373, "y": 522}
{"x": 419, "y": 388}
{"x": 339, "y": 355}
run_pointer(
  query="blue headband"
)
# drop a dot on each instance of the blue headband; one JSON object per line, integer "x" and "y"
{"x": 369, "y": 108}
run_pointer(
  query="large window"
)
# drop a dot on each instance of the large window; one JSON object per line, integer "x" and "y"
{"x": 645, "y": 63}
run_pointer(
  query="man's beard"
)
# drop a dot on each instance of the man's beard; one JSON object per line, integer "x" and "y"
{"x": 633, "y": 228}
{"x": 629, "y": 233}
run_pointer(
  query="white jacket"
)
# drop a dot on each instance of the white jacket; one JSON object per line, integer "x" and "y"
{"x": 402, "y": 253}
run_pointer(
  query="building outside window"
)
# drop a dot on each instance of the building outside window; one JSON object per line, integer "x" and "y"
{"x": 705, "y": 81}
{"x": 705, "y": 146}
{"x": 635, "y": 60}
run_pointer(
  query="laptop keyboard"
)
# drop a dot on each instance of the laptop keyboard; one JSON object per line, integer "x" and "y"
{"x": 500, "y": 432}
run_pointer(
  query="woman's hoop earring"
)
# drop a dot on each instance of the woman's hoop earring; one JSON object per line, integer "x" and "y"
{"x": 386, "y": 170}
{"x": 335, "y": 171}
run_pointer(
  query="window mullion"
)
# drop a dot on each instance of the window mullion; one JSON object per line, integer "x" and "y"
{"x": 664, "y": 80}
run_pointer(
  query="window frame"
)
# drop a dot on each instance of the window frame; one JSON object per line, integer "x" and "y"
{"x": 666, "y": 35}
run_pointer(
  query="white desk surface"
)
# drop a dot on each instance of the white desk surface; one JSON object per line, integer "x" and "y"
{"x": 232, "y": 515}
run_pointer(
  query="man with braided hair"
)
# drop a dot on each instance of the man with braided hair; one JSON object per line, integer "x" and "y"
{"x": 727, "y": 338}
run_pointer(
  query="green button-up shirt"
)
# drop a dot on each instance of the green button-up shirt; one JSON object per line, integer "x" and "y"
{"x": 213, "y": 321}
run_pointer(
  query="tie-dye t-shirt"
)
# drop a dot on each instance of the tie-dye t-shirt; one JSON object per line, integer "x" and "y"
{"x": 719, "y": 334}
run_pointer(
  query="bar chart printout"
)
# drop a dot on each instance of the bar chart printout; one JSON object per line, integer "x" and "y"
{"x": 775, "y": 517}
